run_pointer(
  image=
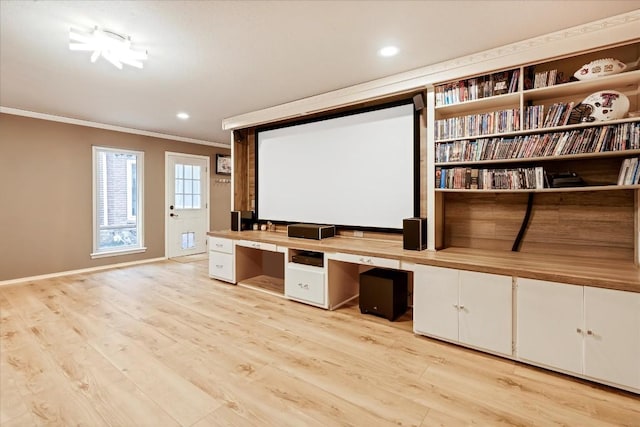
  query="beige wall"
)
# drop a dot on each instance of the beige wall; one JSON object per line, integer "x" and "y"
{"x": 46, "y": 194}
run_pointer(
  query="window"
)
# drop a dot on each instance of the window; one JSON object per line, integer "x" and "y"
{"x": 117, "y": 195}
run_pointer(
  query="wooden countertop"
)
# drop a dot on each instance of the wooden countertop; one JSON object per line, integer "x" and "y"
{"x": 602, "y": 273}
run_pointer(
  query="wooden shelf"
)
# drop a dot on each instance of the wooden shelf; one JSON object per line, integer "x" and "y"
{"x": 612, "y": 187}
{"x": 598, "y": 155}
{"x": 264, "y": 283}
{"x": 575, "y": 88}
{"x": 541, "y": 130}
{"x": 498, "y": 102}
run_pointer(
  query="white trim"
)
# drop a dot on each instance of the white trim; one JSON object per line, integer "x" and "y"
{"x": 68, "y": 120}
{"x": 105, "y": 216}
{"x": 118, "y": 252}
{"x": 615, "y": 29}
{"x": 131, "y": 164}
{"x": 80, "y": 271}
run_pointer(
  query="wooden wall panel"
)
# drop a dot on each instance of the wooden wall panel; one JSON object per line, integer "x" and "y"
{"x": 598, "y": 224}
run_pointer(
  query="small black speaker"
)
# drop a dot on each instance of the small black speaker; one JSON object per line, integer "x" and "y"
{"x": 236, "y": 224}
{"x": 241, "y": 220}
{"x": 414, "y": 234}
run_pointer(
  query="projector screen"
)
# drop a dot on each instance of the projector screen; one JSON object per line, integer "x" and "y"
{"x": 356, "y": 170}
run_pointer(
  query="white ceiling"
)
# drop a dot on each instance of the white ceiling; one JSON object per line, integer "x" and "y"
{"x": 218, "y": 59}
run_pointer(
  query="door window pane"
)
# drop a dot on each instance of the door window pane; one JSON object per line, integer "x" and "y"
{"x": 187, "y": 189}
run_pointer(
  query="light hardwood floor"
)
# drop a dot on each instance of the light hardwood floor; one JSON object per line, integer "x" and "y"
{"x": 162, "y": 345}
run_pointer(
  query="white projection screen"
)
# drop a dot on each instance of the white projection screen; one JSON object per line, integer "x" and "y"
{"x": 356, "y": 170}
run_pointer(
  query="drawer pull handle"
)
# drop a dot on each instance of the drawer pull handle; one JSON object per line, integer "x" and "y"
{"x": 219, "y": 245}
{"x": 303, "y": 285}
{"x": 578, "y": 330}
{"x": 219, "y": 265}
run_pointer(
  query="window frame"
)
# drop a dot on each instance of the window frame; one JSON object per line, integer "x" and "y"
{"x": 98, "y": 151}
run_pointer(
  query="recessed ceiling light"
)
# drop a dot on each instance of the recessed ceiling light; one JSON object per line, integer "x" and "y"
{"x": 183, "y": 116}
{"x": 388, "y": 51}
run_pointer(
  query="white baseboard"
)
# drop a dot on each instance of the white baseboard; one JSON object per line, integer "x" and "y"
{"x": 81, "y": 271}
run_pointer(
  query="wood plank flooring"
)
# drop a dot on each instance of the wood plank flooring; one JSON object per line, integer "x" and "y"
{"x": 163, "y": 345}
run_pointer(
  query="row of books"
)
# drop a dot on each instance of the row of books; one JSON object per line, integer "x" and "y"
{"x": 557, "y": 115}
{"x": 629, "y": 172}
{"x": 477, "y": 88}
{"x": 545, "y": 78}
{"x": 490, "y": 179}
{"x": 478, "y": 124}
{"x": 618, "y": 137}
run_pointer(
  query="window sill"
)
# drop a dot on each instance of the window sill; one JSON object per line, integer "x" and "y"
{"x": 106, "y": 254}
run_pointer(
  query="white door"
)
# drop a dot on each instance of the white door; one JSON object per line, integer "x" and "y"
{"x": 550, "y": 324}
{"x": 187, "y": 204}
{"x": 435, "y": 302}
{"x": 612, "y": 341}
{"x": 485, "y": 307}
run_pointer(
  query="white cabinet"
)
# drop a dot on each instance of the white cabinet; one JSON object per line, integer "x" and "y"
{"x": 305, "y": 283}
{"x": 435, "y": 301}
{"x": 549, "y": 323}
{"x": 485, "y": 307}
{"x": 590, "y": 331}
{"x": 468, "y": 307}
{"x": 221, "y": 259}
{"x": 612, "y": 340}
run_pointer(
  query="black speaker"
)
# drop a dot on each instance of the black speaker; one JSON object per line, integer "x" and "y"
{"x": 414, "y": 234}
{"x": 241, "y": 220}
{"x": 384, "y": 292}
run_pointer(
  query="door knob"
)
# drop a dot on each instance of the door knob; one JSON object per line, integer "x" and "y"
{"x": 172, "y": 214}
{"x": 171, "y": 207}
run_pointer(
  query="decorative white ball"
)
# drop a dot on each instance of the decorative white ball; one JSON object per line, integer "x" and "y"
{"x": 599, "y": 68}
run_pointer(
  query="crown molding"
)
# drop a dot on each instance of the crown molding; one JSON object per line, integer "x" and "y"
{"x": 68, "y": 120}
{"x": 612, "y": 30}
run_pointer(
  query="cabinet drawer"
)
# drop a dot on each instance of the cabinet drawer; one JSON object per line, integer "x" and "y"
{"x": 305, "y": 283}
{"x": 221, "y": 266}
{"x": 257, "y": 245}
{"x": 219, "y": 244}
{"x": 367, "y": 260}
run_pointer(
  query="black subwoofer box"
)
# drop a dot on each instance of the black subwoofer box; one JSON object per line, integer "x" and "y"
{"x": 384, "y": 292}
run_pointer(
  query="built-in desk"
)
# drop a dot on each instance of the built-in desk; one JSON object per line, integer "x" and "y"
{"x": 601, "y": 273}
{"x": 573, "y": 315}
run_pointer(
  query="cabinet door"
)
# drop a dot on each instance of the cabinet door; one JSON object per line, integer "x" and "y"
{"x": 306, "y": 283}
{"x": 612, "y": 340}
{"x": 435, "y": 298}
{"x": 550, "y": 324}
{"x": 221, "y": 266}
{"x": 485, "y": 307}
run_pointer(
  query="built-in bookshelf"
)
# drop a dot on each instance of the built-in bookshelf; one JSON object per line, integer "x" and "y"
{"x": 507, "y": 138}
{"x": 536, "y": 138}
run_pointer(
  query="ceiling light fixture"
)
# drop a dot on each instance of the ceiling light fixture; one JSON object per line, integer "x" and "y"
{"x": 113, "y": 47}
{"x": 183, "y": 116}
{"x": 388, "y": 51}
